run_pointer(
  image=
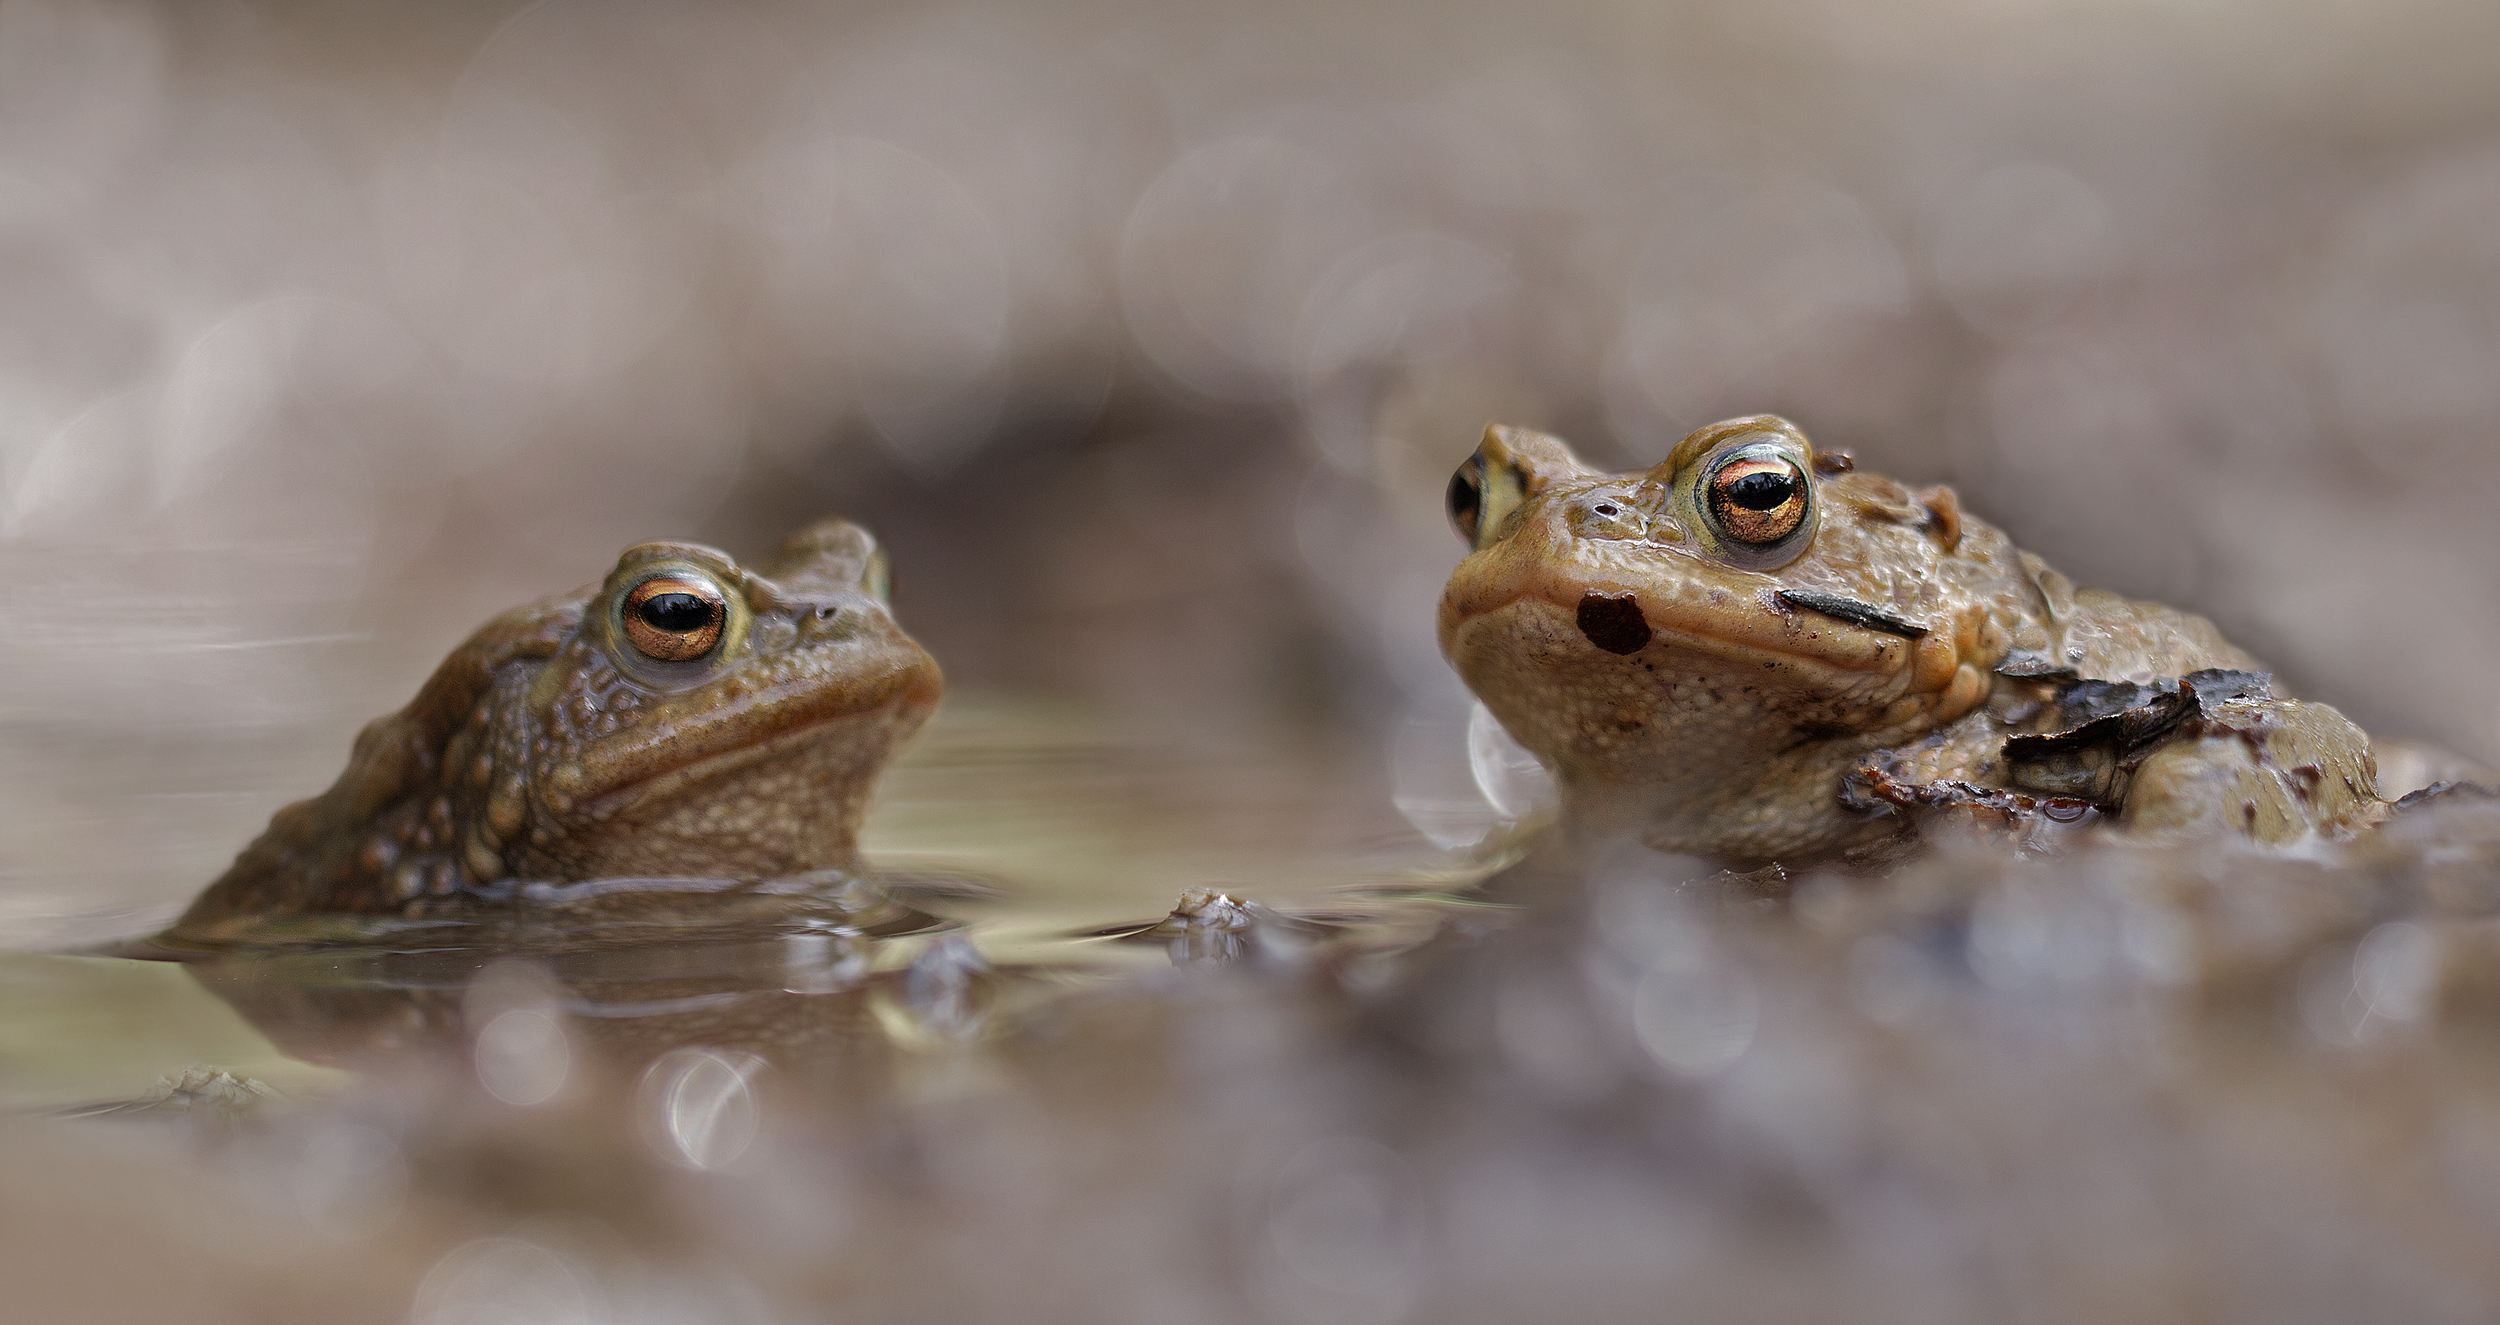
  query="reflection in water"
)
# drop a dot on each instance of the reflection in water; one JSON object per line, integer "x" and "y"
{"x": 825, "y": 978}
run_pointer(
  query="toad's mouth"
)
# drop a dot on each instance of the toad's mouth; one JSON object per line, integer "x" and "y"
{"x": 876, "y": 713}
{"x": 1626, "y": 595}
{"x": 1792, "y": 626}
{"x": 663, "y": 787}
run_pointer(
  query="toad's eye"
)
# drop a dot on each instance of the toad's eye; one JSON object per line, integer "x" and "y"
{"x": 1757, "y": 497}
{"x": 674, "y": 618}
{"x": 1466, "y": 497}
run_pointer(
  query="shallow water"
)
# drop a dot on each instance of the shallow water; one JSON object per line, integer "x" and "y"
{"x": 2115, "y": 1084}
{"x": 316, "y": 1079}
{"x": 1030, "y": 838}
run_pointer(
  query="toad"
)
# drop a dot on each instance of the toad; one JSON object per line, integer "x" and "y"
{"x": 687, "y": 717}
{"x": 1759, "y": 653}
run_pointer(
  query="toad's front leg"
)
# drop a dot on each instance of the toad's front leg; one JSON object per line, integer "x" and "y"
{"x": 2276, "y": 770}
{"x": 2212, "y": 752}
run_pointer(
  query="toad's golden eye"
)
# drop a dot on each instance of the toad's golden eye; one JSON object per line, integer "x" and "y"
{"x": 674, "y": 618}
{"x": 1757, "y": 498}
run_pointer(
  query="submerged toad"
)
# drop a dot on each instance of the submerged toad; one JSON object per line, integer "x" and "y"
{"x": 1755, "y": 652}
{"x": 686, "y": 717}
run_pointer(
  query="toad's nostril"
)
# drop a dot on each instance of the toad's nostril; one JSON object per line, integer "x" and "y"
{"x": 1605, "y": 508}
{"x": 827, "y": 612}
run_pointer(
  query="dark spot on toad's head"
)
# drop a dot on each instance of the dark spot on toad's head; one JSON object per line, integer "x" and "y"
{"x": 1614, "y": 624}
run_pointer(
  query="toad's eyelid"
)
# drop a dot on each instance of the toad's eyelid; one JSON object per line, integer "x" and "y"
{"x": 1757, "y": 451}
{"x": 701, "y": 586}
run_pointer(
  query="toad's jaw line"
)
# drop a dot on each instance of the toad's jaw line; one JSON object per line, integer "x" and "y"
{"x": 795, "y": 716}
{"x": 1868, "y": 652}
{"x": 668, "y": 782}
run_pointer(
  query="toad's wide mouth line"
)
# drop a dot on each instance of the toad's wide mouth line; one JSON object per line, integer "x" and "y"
{"x": 1864, "y": 647}
{"x": 667, "y": 782}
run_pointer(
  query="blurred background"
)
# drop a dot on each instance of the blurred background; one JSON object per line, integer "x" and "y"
{"x": 1147, "y": 335}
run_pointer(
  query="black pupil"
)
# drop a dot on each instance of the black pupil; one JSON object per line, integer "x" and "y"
{"x": 1462, "y": 497}
{"x": 676, "y": 613}
{"x": 1762, "y": 490}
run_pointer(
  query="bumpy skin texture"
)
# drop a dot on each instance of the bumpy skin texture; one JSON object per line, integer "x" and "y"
{"x": 550, "y": 746}
{"x": 1617, "y": 630}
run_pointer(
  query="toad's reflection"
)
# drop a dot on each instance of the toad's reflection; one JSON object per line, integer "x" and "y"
{"x": 822, "y": 990}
